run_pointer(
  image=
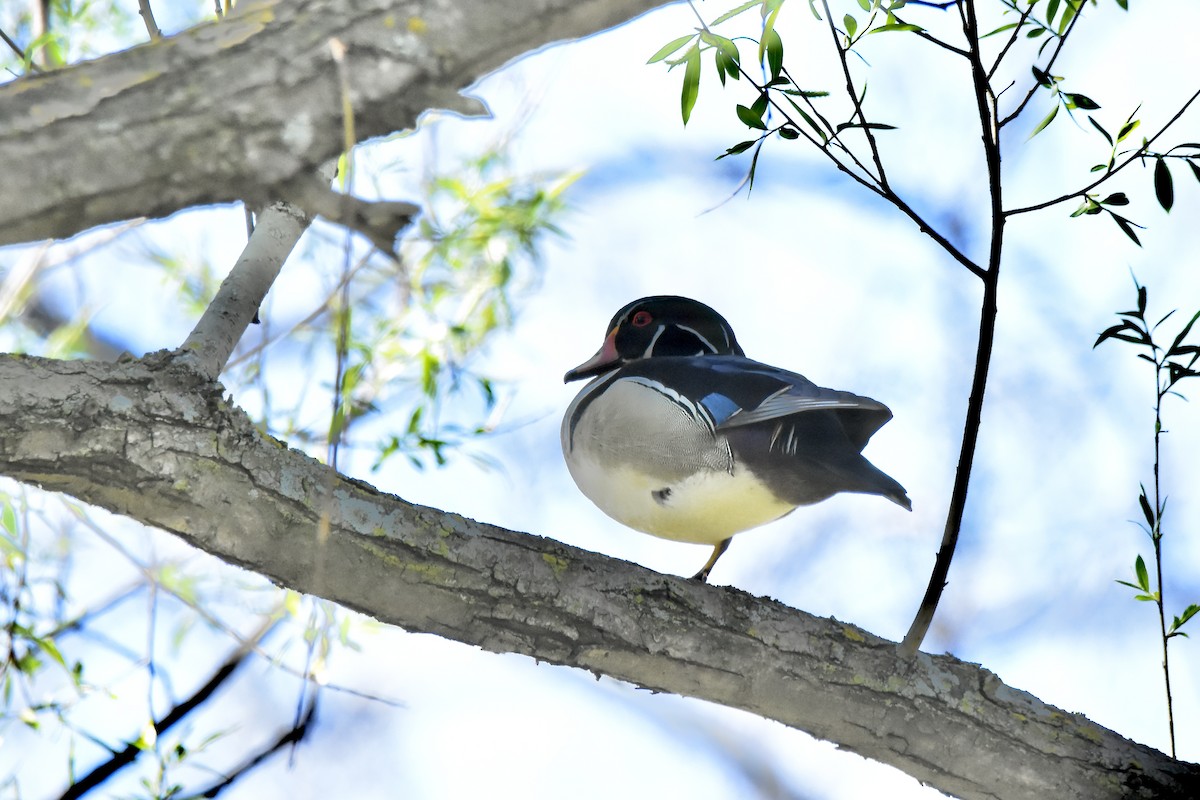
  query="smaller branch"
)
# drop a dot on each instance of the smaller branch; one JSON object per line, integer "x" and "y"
{"x": 210, "y": 344}
{"x": 148, "y": 16}
{"x": 380, "y": 221}
{"x": 293, "y": 736}
{"x": 923, "y": 34}
{"x": 1012, "y": 39}
{"x": 985, "y": 103}
{"x": 1136, "y": 155}
{"x": 312, "y": 316}
{"x": 958, "y": 51}
{"x": 123, "y": 758}
{"x": 16, "y": 48}
{"x": 1058, "y": 48}
{"x": 862, "y": 118}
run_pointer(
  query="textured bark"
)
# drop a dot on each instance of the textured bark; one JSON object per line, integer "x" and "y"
{"x": 248, "y": 108}
{"x": 152, "y": 441}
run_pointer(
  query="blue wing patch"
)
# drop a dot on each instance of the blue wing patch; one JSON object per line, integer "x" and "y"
{"x": 719, "y": 407}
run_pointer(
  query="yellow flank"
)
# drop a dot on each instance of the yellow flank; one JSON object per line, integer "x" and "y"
{"x": 705, "y": 508}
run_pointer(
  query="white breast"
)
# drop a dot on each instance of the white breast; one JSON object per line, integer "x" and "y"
{"x": 651, "y": 460}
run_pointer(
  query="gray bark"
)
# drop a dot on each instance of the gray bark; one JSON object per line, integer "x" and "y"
{"x": 153, "y": 441}
{"x": 249, "y": 107}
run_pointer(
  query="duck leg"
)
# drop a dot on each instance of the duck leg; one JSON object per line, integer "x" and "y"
{"x": 717, "y": 552}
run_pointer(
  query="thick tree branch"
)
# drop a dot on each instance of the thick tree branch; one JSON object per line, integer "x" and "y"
{"x": 152, "y": 441}
{"x": 242, "y": 108}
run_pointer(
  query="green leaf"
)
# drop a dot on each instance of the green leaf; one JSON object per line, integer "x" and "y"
{"x": 754, "y": 165}
{"x": 691, "y": 83}
{"x": 1127, "y": 228}
{"x": 1068, "y": 14}
{"x": 748, "y": 117}
{"x": 1088, "y": 206}
{"x": 1177, "y": 347}
{"x": 1128, "y": 128}
{"x": 1083, "y": 101}
{"x": 8, "y": 518}
{"x": 1144, "y": 502}
{"x": 875, "y": 126}
{"x": 1195, "y": 168}
{"x": 670, "y": 47}
{"x": 1001, "y": 29}
{"x": 788, "y": 133}
{"x": 1116, "y": 199}
{"x": 1163, "y": 188}
{"x": 760, "y": 105}
{"x": 1042, "y": 77}
{"x": 774, "y": 53}
{"x": 1143, "y": 575}
{"x": 1103, "y": 133}
{"x": 1112, "y": 333}
{"x": 1189, "y": 612}
{"x": 1042, "y": 125}
{"x": 811, "y": 122}
{"x": 740, "y": 147}
{"x": 733, "y": 13}
{"x": 851, "y": 25}
{"x": 897, "y": 26}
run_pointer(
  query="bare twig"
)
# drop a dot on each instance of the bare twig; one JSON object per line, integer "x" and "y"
{"x": 126, "y": 756}
{"x": 292, "y": 736}
{"x": 148, "y": 16}
{"x": 985, "y": 103}
{"x": 16, "y": 48}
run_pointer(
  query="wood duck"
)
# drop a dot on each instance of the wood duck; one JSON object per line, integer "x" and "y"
{"x": 681, "y": 436}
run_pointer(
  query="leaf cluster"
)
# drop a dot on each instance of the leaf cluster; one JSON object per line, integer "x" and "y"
{"x": 1173, "y": 363}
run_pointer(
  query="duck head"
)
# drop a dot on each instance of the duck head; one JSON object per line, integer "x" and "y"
{"x": 664, "y": 325}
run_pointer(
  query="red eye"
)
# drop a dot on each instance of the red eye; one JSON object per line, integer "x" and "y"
{"x": 641, "y": 319}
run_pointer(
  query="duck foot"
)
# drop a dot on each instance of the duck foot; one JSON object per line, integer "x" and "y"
{"x": 717, "y": 552}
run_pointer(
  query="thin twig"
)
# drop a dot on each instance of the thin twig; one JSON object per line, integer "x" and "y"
{"x": 148, "y": 16}
{"x": 292, "y": 736}
{"x": 16, "y": 48}
{"x": 1137, "y": 154}
{"x": 858, "y": 111}
{"x": 1058, "y": 48}
{"x": 126, "y": 756}
{"x": 1012, "y": 39}
{"x": 986, "y": 107}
